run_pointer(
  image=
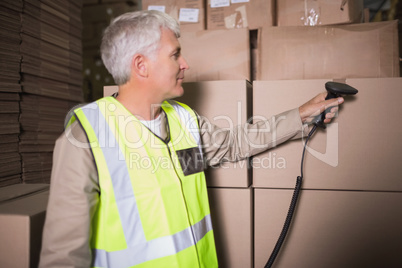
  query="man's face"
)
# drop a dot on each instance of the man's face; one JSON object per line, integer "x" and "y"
{"x": 167, "y": 70}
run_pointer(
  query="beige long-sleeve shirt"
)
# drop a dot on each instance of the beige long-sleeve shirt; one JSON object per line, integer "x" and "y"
{"x": 74, "y": 188}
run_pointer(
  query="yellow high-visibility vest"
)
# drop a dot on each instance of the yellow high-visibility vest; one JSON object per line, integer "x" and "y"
{"x": 153, "y": 206}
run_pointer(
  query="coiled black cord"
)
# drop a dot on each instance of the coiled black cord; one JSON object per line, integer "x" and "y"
{"x": 292, "y": 207}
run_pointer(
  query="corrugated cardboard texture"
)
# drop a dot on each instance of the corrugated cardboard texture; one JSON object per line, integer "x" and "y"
{"x": 349, "y": 51}
{"x": 21, "y": 219}
{"x": 231, "y": 212}
{"x": 318, "y": 12}
{"x": 250, "y": 14}
{"x": 225, "y": 104}
{"x": 216, "y": 55}
{"x": 172, "y": 7}
{"x": 359, "y": 150}
{"x": 330, "y": 229}
{"x": 16, "y": 191}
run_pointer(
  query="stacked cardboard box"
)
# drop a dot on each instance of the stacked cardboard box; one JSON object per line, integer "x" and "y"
{"x": 318, "y": 12}
{"x": 10, "y": 160}
{"x": 195, "y": 15}
{"x": 352, "y": 189}
{"x": 250, "y": 14}
{"x": 51, "y": 72}
{"x": 337, "y": 45}
{"x": 343, "y": 206}
{"x": 354, "y": 50}
{"x": 189, "y": 13}
{"x": 227, "y": 59}
{"x": 297, "y": 49}
{"x": 227, "y": 104}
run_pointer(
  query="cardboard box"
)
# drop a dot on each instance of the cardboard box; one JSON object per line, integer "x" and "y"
{"x": 216, "y": 55}
{"x": 250, "y": 14}
{"x": 349, "y": 51}
{"x": 330, "y": 228}
{"x": 189, "y": 13}
{"x": 318, "y": 12}
{"x": 110, "y": 90}
{"x": 225, "y": 104}
{"x": 359, "y": 150}
{"x": 231, "y": 212}
{"x": 22, "y": 215}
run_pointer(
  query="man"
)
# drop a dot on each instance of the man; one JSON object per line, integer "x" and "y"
{"x": 127, "y": 186}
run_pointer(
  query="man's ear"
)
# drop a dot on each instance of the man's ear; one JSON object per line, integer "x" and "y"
{"x": 139, "y": 65}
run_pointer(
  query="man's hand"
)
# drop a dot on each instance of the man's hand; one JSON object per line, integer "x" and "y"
{"x": 317, "y": 105}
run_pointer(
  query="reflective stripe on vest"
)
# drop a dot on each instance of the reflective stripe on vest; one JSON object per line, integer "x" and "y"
{"x": 157, "y": 248}
{"x": 138, "y": 249}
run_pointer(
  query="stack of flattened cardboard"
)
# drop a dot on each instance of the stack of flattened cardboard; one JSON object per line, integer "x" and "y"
{"x": 10, "y": 160}
{"x": 51, "y": 73}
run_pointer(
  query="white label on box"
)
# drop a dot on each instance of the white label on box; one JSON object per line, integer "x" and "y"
{"x": 159, "y": 8}
{"x": 240, "y": 1}
{"x": 220, "y": 3}
{"x": 189, "y": 14}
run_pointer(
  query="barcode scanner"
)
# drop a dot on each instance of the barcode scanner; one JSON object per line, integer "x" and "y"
{"x": 335, "y": 90}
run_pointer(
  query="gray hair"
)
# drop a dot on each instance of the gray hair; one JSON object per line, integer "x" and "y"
{"x": 132, "y": 33}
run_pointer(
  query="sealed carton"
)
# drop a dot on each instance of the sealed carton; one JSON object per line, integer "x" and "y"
{"x": 330, "y": 228}
{"x": 251, "y": 14}
{"x": 22, "y": 216}
{"x": 359, "y": 150}
{"x": 318, "y": 12}
{"x": 348, "y": 51}
{"x": 189, "y": 13}
{"x": 231, "y": 212}
{"x": 216, "y": 55}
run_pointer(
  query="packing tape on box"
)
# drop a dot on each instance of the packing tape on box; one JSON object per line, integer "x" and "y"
{"x": 312, "y": 13}
{"x": 237, "y": 19}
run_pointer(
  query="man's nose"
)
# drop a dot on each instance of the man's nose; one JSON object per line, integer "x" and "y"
{"x": 183, "y": 64}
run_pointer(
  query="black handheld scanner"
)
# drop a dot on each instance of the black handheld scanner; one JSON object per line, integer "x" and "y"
{"x": 335, "y": 90}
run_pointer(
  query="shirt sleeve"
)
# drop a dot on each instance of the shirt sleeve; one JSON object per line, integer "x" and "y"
{"x": 222, "y": 144}
{"x": 74, "y": 194}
